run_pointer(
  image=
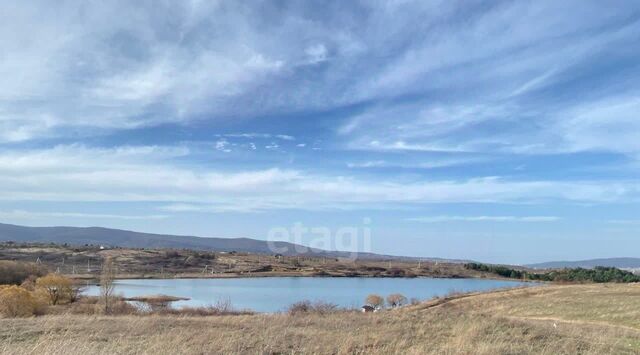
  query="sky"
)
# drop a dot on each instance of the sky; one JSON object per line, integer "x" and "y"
{"x": 498, "y": 131}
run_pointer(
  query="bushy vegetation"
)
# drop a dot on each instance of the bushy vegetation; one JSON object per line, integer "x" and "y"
{"x": 15, "y": 272}
{"x": 396, "y": 300}
{"x": 35, "y": 292}
{"x": 59, "y": 289}
{"x": 309, "y": 307}
{"x": 375, "y": 301}
{"x": 598, "y": 274}
{"x": 16, "y": 301}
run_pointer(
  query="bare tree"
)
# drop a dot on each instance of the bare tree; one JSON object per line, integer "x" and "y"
{"x": 106, "y": 284}
{"x": 375, "y": 301}
{"x": 396, "y": 300}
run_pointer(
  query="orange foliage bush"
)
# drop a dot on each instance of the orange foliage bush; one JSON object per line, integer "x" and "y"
{"x": 59, "y": 289}
{"x": 15, "y": 301}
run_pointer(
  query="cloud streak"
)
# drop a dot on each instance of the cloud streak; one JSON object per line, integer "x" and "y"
{"x": 78, "y": 173}
{"x": 440, "y": 219}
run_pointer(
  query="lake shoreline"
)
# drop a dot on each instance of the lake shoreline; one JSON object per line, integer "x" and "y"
{"x": 95, "y": 278}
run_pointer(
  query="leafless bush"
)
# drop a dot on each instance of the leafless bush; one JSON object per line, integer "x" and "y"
{"x": 94, "y": 306}
{"x": 306, "y": 306}
{"x": 396, "y": 300}
{"x": 374, "y": 301}
{"x": 15, "y": 272}
{"x": 107, "y": 286}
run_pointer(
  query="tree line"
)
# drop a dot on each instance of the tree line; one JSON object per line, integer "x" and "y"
{"x": 598, "y": 274}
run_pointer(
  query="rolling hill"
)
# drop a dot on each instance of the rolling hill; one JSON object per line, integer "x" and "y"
{"x": 130, "y": 239}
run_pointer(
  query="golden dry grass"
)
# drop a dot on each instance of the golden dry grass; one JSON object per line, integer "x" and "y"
{"x": 589, "y": 319}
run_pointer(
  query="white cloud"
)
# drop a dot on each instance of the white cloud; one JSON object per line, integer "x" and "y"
{"x": 316, "y": 53}
{"x": 115, "y": 67}
{"x": 223, "y": 146}
{"x": 150, "y": 174}
{"x": 438, "y": 219}
{"x": 368, "y": 164}
{"x": 285, "y": 137}
{"x": 624, "y": 221}
{"x": 422, "y": 163}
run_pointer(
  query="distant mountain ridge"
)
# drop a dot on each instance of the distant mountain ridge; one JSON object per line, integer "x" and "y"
{"x": 621, "y": 263}
{"x": 130, "y": 239}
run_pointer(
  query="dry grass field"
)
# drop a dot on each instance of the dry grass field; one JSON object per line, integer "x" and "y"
{"x": 556, "y": 319}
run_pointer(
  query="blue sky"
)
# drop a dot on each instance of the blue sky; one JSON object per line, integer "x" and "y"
{"x": 496, "y": 131}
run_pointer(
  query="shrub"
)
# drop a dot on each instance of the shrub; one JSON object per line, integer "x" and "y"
{"x": 15, "y": 301}
{"x": 396, "y": 272}
{"x": 59, "y": 289}
{"x": 306, "y": 306}
{"x": 375, "y": 301}
{"x": 597, "y": 274}
{"x": 15, "y": 273}
{"x": 396, "y": 300}
{"x": 107, "y": 286}
{"x": 93, "y": 305}
{"x": 300, "y": 307}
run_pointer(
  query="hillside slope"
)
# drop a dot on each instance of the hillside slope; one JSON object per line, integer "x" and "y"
{"x": 129, "y": 239}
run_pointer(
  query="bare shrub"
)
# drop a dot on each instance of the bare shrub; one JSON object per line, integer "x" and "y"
{"x": 94, "y": 305}
{"x": 223, "y": 306}
{"x": 106, "y": 284}
{"x": 306, "y": 306}
{"x": 375, "y": 301}
{"x": 59, "y": 289}
{"x": 300, "y": 307}
{"x": 15, "y": 272}
{"x": 396, "y": 300}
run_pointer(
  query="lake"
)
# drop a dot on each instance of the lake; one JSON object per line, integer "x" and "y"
{"x": 273, "y": 294}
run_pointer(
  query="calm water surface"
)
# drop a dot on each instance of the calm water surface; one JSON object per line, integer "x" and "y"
{"x": 273, "y": 294}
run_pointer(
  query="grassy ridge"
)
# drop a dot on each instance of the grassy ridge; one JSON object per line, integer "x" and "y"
{"x": 589, "y": 319}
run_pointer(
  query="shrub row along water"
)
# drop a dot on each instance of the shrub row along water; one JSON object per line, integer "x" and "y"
{"x": 597, "y": 274}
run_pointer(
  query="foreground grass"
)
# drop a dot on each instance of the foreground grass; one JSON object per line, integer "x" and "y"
{"x": 583, "y": 319}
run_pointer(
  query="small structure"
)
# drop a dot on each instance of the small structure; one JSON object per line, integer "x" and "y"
{"x": 368, "y": 309}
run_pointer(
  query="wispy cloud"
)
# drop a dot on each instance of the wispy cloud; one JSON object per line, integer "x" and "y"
{"x": 439, "y": 219}
{"x": 77, "y": 173}
{"x": 257, "y": 135}
{"x": 625, "y": 221}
